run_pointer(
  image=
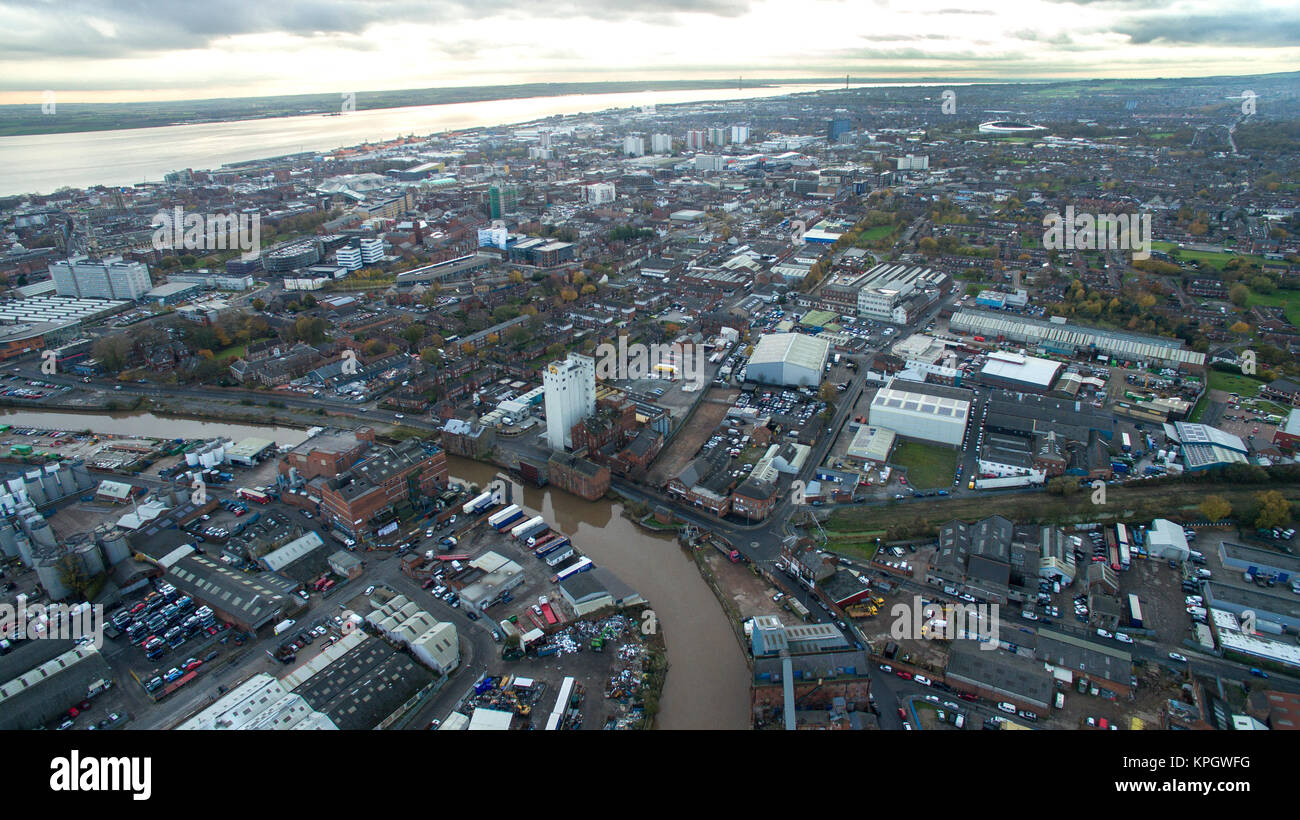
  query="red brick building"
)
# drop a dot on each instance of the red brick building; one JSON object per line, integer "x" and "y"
{"x": 375, "y": 486}
{"x": 575, "y": 474}
{"x": 754, "y": 499}
{"x": 328, "y": 454}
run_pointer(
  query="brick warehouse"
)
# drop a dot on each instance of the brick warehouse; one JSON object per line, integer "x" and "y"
{"x": 381, "y": 482}
{"x": 577, "y": 475}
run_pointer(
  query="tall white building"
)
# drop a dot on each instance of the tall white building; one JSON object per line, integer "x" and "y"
{"x": 710, "y": 162}
{"x": 372, "y": 251}
{"x": 109, "y": 279}
{"x": 661, "y": 143}
{"x": 717, "y": 136}
{"x": 695, "y": 140}
{"x": 600, "y": 193}
{"x": 912, "y": 162}
{"x": 493, "y": 237}
{"x": 570, "y": 390}
{"x": 634, "y": 146}
{"x": 739, "y": 134}
{"x": 349, "y": 258}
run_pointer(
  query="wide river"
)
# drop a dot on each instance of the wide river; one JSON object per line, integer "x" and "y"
{"x": 708, "y": 681}
{"x": 42, "y": 163}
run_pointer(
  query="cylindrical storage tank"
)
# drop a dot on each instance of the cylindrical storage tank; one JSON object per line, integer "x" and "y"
{"x": 36, "y": 492}
{"x": 219, "y": 454}
{"x": 192, "y": 458}
{"x": 24, "y": 549}
{"x": 208, "y": 459}
{"x": 92, "y": 562}
{"x": 42, "y": 535}
{"x": 51, "y": 577}
{"x": 8, "y": 540}
{"x": 116, "y": 548}
{"x": 81, "y": 474}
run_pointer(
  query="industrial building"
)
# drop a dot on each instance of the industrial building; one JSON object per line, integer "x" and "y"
{"x": 925, "y": 412}
{"x": 1166, "y": 540}
{"x": 250, "y": 602}
{"x": 570, "y": 396}
{"x": 870, "y": 445}
{"x": 40, "y": 679}
{"x": 173, "y": 293}
{"x": 261, "y": 702}
{"x": 1274, "y": 605}
{"x": 1016, "y": 371}
{"x": 888, "y": 286}
{"x": 1069, "y": 657}
{"x": 788, "y": 360}
{"x": 1204, "y": 447}
{"x": 1065, "y": 339}
{"x": 1260, "y": 562}
{"x": 771, "y": 637}
{"x": 434, "y": 642}
{"x": 497, "y": 576}
{"x": 1000, "y": 676}
{"x": 597, "y": 589}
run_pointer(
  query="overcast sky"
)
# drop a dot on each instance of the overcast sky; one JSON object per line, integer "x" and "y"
{"x": 98, "y": 50}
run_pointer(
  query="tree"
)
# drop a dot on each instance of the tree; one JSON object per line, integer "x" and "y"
{"x": 309, "y": 329}
{"x": 112, "y": 351}
{"x": 1239, "y": 294}
{"x": 1240, "y": 328}
{"x": 1215, "y": 508}
{"x": 826, "y": 392}
{"x": 1274, "y": 510}
{"x": 413, "y": 334}
{"x": 1063, "y": 485}
{"x": 259, "y": 304}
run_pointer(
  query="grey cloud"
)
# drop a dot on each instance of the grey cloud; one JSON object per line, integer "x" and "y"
{"x": 149, "y": 26}
{"x": 1244, "y": 27}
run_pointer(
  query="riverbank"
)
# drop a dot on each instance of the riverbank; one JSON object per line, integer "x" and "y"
{"x": 706, "y": 674}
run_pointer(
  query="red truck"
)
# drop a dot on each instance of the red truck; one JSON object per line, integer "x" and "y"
{"x": 722, "y": 547}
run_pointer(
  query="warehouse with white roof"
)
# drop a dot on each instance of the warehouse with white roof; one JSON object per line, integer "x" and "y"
{"x": 788, "y": 360}
{"x": 926, "y": 412}
{"x": 1016, "y": 371}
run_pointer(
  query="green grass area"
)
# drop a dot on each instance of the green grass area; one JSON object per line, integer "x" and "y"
{"x": 928, "y": 466}
{"x": 1288, "y": 300}
{"x": 1140, "y": 501}
{"x": 1199, "y": 410}
{"x": 878, "y": 232}
{"x": 1245, "y": 386}
{"x": 861, "y": 544}
{"x": 1215, "y": 259}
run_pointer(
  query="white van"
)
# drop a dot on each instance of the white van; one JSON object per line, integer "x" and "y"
{"x": 1009, "y": 708}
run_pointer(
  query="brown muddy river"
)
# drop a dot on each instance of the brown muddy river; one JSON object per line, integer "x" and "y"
{"x": 708, "y": 681}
